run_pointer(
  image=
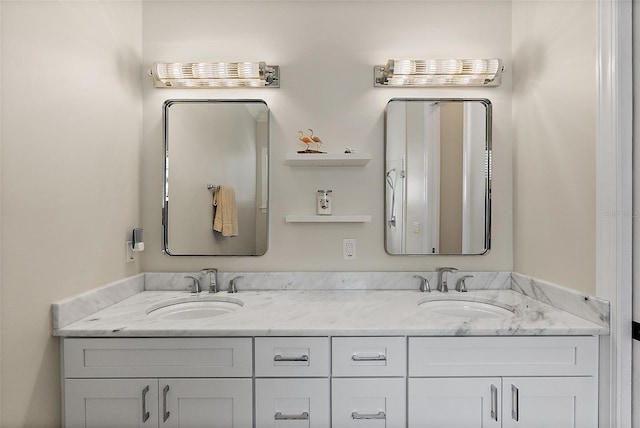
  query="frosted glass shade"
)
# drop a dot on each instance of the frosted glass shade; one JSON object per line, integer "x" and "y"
{"x": 439, "y": 72}
{"x": 215, "y": 75}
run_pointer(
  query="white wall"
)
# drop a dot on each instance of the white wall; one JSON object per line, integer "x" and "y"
{"x": 554, "y": 133}
{"x": 71, "y": 115}
{"x": 326, "y": 51}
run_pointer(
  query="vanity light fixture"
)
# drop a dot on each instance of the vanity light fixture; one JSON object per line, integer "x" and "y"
{"x": 206, "y": 75}
{"x": 439, "y": 72}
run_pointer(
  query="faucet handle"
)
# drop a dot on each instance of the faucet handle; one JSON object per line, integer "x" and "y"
{"x": 424, "y": 284}
{"x": 462, "y": 284}
{"x": 233, "y": 288}
{"x": 195, "y": 285}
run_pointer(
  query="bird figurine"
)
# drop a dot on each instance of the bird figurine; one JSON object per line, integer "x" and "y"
{"x": 306, "y": 140}
{"x": 316, "y": 140}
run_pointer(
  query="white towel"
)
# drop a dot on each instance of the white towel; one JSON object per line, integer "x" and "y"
{"x": 225, "y": 219}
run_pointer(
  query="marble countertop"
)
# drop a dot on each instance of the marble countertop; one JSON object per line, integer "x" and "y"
{"x": 330, "y": 313}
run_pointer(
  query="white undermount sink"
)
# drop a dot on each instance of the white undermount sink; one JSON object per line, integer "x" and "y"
{"x": 195, "y": 307}
{"x": 466, "y": 308}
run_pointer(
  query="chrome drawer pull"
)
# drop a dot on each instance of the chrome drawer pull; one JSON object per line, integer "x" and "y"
{"x": 515, "y": 403}
{"x": 379, "y": 415}
{"x": 304, "y": 416}
{"x": 379, "y": 357}
{"x": 494, "y": 403}
{"x": 165, "y": 413}
{"x": 281, "y": 358}
{"x": 145, "y": 414}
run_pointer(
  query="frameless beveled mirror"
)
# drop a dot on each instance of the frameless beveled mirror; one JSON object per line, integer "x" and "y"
{"x": 437, "y": 176}
{"x": 211, "y": 145}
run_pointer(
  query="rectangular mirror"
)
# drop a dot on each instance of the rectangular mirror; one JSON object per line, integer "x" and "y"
{"x": 216, "y": 151}
{"x": 438, "y": 176}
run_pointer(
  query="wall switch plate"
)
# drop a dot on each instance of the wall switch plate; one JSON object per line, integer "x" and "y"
{"x": 129, "y": 253}
{"x": 349, "y": 249}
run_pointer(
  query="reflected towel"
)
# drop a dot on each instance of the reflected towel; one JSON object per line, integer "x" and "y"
{"x": 225, "y": 219}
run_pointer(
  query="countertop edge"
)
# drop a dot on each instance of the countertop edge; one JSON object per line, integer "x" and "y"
{"x": 65, "y": 333}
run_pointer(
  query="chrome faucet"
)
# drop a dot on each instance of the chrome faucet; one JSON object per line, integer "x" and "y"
{"x": 233, "y": 288}
{"x": 195, "y": 285}
{"x": 424, "y": 284}
{"x": 213, "y": 279}
{"x": 462, "y": 285}
{"x": 442, "y": 278}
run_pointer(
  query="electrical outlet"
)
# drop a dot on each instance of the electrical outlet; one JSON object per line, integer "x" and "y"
{"x": 349, "y": 249}
{"x": 129, "y": 253}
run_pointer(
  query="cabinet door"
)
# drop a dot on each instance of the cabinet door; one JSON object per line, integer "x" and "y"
{"x": 368, "y": 403}
{"x": 212, "y": 403}
{"x": 454, "y": 402}
{"x": 292, "y": 403}
{"x": 98, "y": 403}
{"x": 552, "y": 402}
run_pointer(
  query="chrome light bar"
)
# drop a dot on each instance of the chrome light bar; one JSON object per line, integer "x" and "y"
{"x": 207, "y": 75}
{"x": 439, "y": 72}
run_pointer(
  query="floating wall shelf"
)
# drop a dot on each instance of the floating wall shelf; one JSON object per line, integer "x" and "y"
{"x": 328, "y": 159}
{"x": 328, "y": 218}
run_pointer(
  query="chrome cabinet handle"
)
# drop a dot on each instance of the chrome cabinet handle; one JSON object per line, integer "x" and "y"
{"x": 515, "y": 403}
{"x": 379, "y": 357}
{"x": 300, "y": 358}
{"x": 304, "y": 416}
{"x": 379, "y": 415}
{"x": 165, "y": 413}
{"x": 494, "y": 403}
{"x": 145, "y": 414}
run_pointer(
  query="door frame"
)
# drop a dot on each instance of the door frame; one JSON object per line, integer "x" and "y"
{"x": 614, "y": 184}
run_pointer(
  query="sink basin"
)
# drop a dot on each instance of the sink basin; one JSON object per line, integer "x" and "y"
{"x": 194, "y": 308}
{"x": 467, "y": 308}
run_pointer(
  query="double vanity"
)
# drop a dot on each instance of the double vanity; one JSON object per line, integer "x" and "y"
{"x": 331, "y": 350}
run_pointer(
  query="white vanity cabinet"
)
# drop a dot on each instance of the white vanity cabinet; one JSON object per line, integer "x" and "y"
{"x": 176, "y": 382}
{"x": 338, "y": 382}
{"x": 292, "y": 382}
{"x": 536, "y": 382}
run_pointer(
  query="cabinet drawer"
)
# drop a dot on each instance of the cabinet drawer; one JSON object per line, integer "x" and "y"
{"x": 284, "y": 403}
{"x": 368, "y": 356}
{"x": 292, "y": 357}
{"x": 503, "y": 356}
{"x": 175, "y": 357}
{"x": 368, "y": 403}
